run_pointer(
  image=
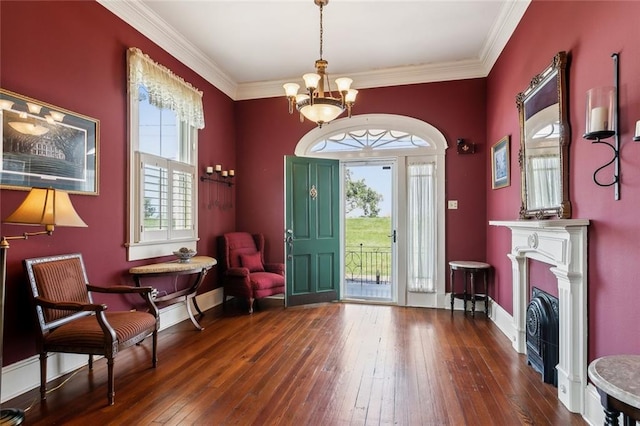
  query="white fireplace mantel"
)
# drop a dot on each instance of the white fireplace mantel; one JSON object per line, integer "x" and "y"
{"x": 561, "y": 243}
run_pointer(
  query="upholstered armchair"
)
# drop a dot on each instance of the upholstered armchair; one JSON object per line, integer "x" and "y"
{"x": 71, "y": 322}
{"x": 245, "y": 274}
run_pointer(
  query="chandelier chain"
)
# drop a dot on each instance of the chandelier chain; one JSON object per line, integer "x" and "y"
{"x": 321, "y": 30}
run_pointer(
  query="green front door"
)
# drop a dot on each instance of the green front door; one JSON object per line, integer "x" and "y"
{"x": 312, "y": 230}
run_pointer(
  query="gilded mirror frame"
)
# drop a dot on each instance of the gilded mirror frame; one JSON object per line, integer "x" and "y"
{"x": 541, "y": 85}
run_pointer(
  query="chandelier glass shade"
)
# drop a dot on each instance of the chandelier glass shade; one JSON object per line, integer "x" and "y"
{"x": 319, "y": 104}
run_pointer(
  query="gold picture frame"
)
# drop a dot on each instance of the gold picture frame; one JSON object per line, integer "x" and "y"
{"x": 44, "y": 145}
{"x": 500, "y": 164}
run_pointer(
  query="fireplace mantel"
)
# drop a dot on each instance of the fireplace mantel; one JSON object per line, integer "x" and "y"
{"x": 562, "y": 244}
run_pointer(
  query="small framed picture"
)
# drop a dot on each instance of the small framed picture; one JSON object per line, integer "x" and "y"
{"x": 500, "y": 173}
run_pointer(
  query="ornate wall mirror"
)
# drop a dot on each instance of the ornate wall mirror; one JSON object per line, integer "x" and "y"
{"x": 544, "y": 143}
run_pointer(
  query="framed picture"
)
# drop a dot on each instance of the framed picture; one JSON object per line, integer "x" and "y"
{"x": 47, "y": 146}
{"x": 500, "y": 174}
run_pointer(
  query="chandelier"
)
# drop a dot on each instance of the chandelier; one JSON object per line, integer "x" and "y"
{"x": 317, "y": 105}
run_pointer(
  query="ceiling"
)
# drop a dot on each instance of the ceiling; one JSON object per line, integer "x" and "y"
{"x": 248, "y": 49}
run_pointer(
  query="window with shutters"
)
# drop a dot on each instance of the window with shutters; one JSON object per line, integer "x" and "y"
{"x": 163, "y": 158}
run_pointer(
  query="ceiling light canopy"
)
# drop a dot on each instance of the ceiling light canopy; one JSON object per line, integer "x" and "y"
{"x": 317, "y": 105}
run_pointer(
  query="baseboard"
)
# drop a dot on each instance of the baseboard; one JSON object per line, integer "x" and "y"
{"x": 24, "y": 375}
{"x": 504, "y": 321}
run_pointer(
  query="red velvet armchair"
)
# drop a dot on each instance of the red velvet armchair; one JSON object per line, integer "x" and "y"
{"x": 244, "y": 273}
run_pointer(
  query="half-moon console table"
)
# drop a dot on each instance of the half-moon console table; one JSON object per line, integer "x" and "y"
{"x": 617, "y": 378}
{"x": 198, "y": 265}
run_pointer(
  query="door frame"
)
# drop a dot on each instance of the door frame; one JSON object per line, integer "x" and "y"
{"x": 436, "y": 150}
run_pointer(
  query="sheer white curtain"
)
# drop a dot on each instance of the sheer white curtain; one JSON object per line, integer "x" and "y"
{"x": 166, "y": 90}
{"x": 421, "y": 227}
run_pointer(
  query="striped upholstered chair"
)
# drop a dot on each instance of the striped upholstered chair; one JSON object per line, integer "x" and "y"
{"x": 70, "y": 322}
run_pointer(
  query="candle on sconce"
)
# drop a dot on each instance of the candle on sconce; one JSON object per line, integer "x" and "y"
{"x": 224, "y": 173}
{"x": 637, "y": 135}
{"x": 209, "y": 170}
{"x": 233, "y": 172}
{"x": 218, "y": 168}
{"x": 599, "y": 119}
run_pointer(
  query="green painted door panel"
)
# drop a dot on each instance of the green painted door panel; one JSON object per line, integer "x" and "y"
{"x": 312, "y": 222}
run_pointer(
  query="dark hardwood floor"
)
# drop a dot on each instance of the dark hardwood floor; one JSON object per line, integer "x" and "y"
{"x": 333, "y": 364}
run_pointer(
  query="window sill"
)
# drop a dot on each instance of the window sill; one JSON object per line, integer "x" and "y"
{"x": 148, "y": 250}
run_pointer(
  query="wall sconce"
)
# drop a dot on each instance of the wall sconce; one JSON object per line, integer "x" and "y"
{"x": 602, "y": 122}
{"x": 223, "y": 177}
{"x": 465, "y": 147}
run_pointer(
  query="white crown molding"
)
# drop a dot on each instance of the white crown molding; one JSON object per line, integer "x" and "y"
{"x": 143, "y": 19}
{"x": 510, "y": 16}
{"x": 379, "y": 78}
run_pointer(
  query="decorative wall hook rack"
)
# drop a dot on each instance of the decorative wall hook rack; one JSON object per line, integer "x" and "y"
{"x": 602, "y": 122}
{"x": 223, "y": 177}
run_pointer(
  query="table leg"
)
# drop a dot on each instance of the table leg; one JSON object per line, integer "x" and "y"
{"x": 453, "y": 288}
{"x": 190, "y": 312}
{"x": 611, "y": 417}
{"x": 466, "y": 280}
{"x": 473, "y": 294}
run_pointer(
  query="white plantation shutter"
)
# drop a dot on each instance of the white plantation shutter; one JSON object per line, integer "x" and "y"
{"x": 166, "y": 192}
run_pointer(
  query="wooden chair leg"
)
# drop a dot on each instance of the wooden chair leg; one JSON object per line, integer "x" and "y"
{"x": 110, "y": 386}
{"x": 43, "y": 376}
{"x": 90, "y": 362}
{"x": 154, "y": 350}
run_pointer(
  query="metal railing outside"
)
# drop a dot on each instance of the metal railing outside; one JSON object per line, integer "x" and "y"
{"x": 370, "y": 265}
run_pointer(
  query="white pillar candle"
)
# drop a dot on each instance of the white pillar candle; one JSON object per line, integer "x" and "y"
{"x": 218, "y": 167}
{"x": 637, "y": 129}
{"x": 209, "y": 170}
{"x": 224, "y": 173}
{"x": 599, "y": 119}
{"x": 232, "y": 172}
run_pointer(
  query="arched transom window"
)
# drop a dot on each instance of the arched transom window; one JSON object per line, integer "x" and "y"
{"x": 368, "y": 140}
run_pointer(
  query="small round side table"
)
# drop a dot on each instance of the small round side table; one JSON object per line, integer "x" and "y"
{"x": 471, "y": 270}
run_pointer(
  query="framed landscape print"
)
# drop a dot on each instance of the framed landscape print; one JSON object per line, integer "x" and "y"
{"x": 47, "y": 146}
{"x": 500, "y": 173}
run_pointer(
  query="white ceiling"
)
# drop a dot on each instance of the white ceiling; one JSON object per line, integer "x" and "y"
{"x": 248, "y": 49}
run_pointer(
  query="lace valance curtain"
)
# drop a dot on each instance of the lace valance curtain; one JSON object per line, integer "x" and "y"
{"x": 166, "y": 90}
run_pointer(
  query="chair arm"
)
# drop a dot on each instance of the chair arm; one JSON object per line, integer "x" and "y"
{"x": 237, "y": 272}
{"x": 144, "y": 292}
{"x": 70, "y": 306}
{"x": 119, "y": 289}
{"x": 276, "y": 268}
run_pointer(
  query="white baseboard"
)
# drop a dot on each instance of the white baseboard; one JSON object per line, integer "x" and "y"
{"x": 24, "y": 375}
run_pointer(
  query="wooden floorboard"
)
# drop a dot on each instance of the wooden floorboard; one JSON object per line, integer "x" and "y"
{"x": 331, "y": 364}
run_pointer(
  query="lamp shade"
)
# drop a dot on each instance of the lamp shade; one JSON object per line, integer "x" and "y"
{"x": 48, "y": 207}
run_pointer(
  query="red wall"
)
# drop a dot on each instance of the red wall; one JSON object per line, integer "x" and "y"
{"x": 456, "y": 108}
{"x": 73, "y": 55}
{"x": 590, "y": 32}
